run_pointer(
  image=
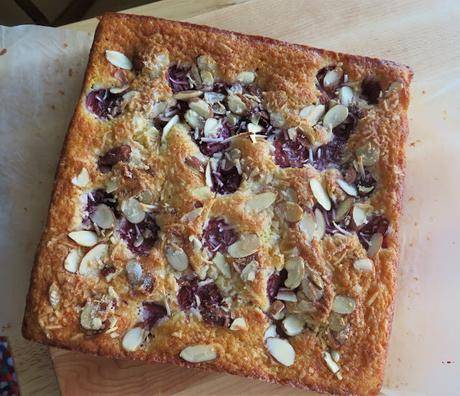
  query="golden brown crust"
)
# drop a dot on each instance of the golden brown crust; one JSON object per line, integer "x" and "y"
{"x": 171, "y": 169}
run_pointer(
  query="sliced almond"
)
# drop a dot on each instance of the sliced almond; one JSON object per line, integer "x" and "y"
{"x": 369, "y": 153}
{"x": 158, "y": 108}
{"x": 270, "y": 332}
{"x": 222, "y": 265}
{"x": 331, "y": 364}
{"x": 277, "y": 120}
{"x": 292, "y": 325}
{"x": 167, "y": 128}
{"x": 260, "y": 202}
{"x": 350, "y": 189}
{"x": 346, "y": 96}
{"x": 117, "y": 90}
{"x": 207, "y": 77}
{"x": 134, "y": 272}
{"x": 359, "y": 215}
{"x": 296, "y": 270}
{"x": 201, "y": 107}
{"x": 133, "y": 210}
{"x": 312, "y": 113}
{"x": 194, "y": 119}
{"x": 307, "y": 225}
{"x": 91, "y": 263}
{"x": 286, "y": 295}
{"x": 213, "y": 97}
{"x": 208, "y": 175}
{"x": 247, "y": 244}
{"x": 281, "y": 350}
{"x": 54, "y": 295}
{"x": 332, "y": 78}
{"x": 254, "y": 128}
{"x": 335, "y": 356}
{"x": 364, "y": 264}
{"x": 277, "y": 310}
{"x": 192, "y": 215}
{"x": 248, "y": 274}
{"x": 82, "y": 179}
{"x": 118, "y": 59}
{"x": 176, "y": 257}
{"x": 246, "y": 77}
{"x": 210, "y": 127}
{"x": 320, "y": 225}
{"x": 133, "y": 339}
{"x": 343, "y": 305}
{"x": 89, "y": 317}
{"x": 239, "y": 324}
{"x": 84, "y": 238}
{"x": 103, "y": 216}
{"x": 335, "y": 116}
{"x": 292, "y": 212}
{"x": 236, "y": 105}
{"x": 188, "y": 94}
{"x": 72, "y": 260}
{"x": 375, "y": 244}
{"x": 205, "y": 62}
{"x": 198, "y": 353}
{"x": 320, "y": 194}
{"x": 343, "y": 209}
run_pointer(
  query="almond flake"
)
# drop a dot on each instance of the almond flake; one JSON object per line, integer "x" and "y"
{"x": 281, "y": 350}
{"x": 246, "y": 77}
{"x": 207, "y": 77}
{"x": 248, "y": 274}
{"x": 158, "y": 108}
{"x": 320, "y": 194}
{"x": 118, "y": 59}
{"x": 167, "y": 128}
{"x": 72, "y": 260}
{"x": 307, "y": 225}
{"x": 53, "y": 295}
{"x": 350, "y": 189}
{"x": 277, "y": 120}
{"x": 335, "y": 116}
{"x": 343, "y": 305}
{"x": 292, "y": 325}
{"x": 176, "y": 257}
{"x": 332, "y": 78}
{"x": 84, "y": 238}
{"x": 192, "y": 215}
{"x": 82, "y": 179}
{"x": 359, "y": 215}
{"x": 201, "y": 107}
{"x": 346, "y": 96}
{"x": 185, "y": 95}
{"x": 103, "y": 216}
{"x": 270, "y": 332}
{"x": 198, "y": 353}
{"x": 117, "y": 90}
{"x": 286, "y": 295}
{"x": 91, "y": 263}
{"x": 331, "y": 364}
{"x": 375, "y": 244}
{"x": 194, "y": 119}
{"x": 292, "y": 212}
{"x": 363, "y": 264}
{"x": 260, "y": 202}
{"x": 320, "y": 225}
{"x": 312, "y": 113}
{"x": 343, "y": 209}
{"x": 296, "y": 270}
{"x": 254, "y": 128}
{"x": 208, "y": 175}
{"x": 239, "y": 324}
{"x": 245, "y": 246}
{"x": 236, "y": 105}
{"x": 222, "y": 265}
{"x": 134, "y": 271}
{"x": 133, "y": 210}
{"x": 133, "y": 339}
{"x": 213, "y": 97}
{"x": 89, "y": 317}
{"x": 210, "y": 127}
{"x": 369, "y": 154}
{"x": 335, "y": 356}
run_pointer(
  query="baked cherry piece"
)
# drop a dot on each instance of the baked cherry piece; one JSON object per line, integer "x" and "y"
{"x": 370, "y": 90}
{"x": 218, "y": 236}
{"x": 103, "y": 103}
{"x": 375, "y": 224}
{"x": 152, "y": 312}
{"x": 114, "y": 156}
{"x": 140, "y": 237}
{"x": 290, "y": 153}
{"x": 274, "y": 283}
{"x": 177, "y": 78}
{"x": 225, "y": 180}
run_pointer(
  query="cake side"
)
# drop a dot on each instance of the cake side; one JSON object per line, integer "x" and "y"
{"x": 173, "y": 169}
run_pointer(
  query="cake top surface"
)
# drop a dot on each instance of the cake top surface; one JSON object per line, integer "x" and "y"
{"x": 227, "y": 201}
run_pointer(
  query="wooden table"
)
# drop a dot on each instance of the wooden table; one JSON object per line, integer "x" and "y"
{"x": 424, "y": 34}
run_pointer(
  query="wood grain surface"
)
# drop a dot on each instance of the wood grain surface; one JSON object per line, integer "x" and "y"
{"x": 423, "y": 34}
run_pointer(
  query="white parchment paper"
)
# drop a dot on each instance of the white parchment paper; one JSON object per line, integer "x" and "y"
{"x": 40, "y": 79}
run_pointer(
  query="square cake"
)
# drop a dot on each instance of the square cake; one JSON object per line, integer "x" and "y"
{"x": 228, "y": 202}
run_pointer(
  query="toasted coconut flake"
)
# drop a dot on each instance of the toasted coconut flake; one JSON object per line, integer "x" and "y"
{"x": 369, "y": 154}
{"x": 84, "y": 238}
{"x": 198, "y": 353}
{"x": 281, "y": 350}
{"x": 320, "y": 194}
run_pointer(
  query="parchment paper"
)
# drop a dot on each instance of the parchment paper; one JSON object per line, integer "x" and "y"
{"x": 40, "y": 79}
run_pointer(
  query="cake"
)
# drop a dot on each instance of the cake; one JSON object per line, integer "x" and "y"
{"x": 227, "y": 202}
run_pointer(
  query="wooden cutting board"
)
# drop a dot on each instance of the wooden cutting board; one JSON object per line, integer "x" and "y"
{"x": 425, "y": 35}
